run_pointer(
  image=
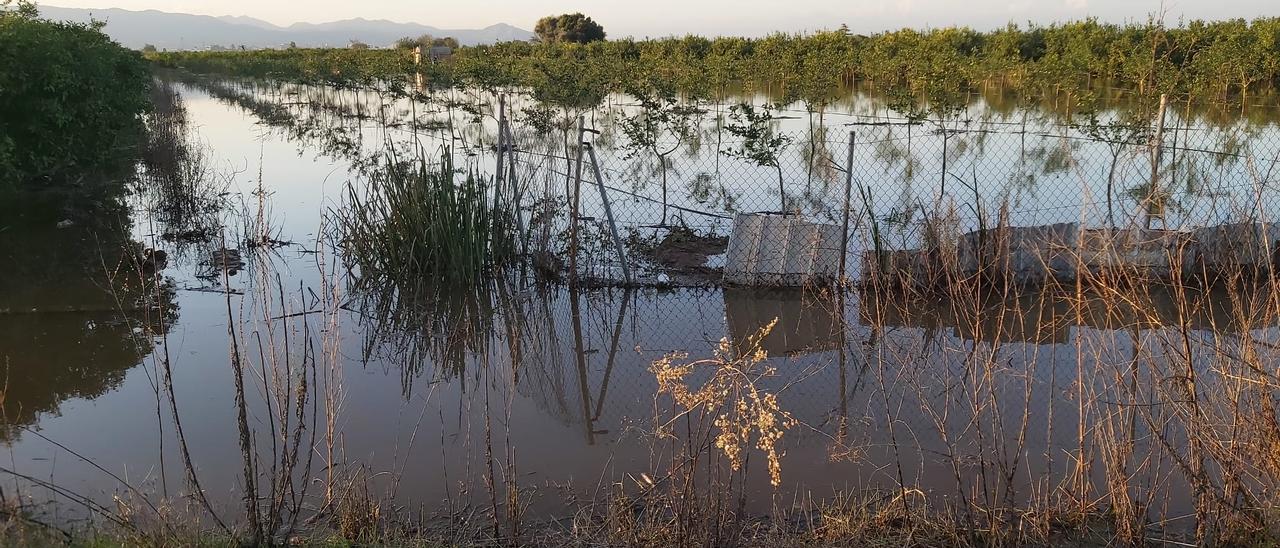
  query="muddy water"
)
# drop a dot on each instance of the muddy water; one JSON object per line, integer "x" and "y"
{"x": 883, "y": 397}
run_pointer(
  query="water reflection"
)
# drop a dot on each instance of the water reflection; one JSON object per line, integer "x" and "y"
{"x": 806, "y": 322}
{"x": 181, "y": 192}
{"x": 79, "y": 303}
{"x": 957, "y": 397}
{"x": 1050, "y": 315}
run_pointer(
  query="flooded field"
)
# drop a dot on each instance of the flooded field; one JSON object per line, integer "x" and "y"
{"x": 215, "y": 324}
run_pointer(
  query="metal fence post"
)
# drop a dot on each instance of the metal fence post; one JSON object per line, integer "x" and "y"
{"x": 502, "y": 121}
{"x": 844, "y": 224}
{"x": 517, "y": 193}
{"x": 573, "y": 214}
{"x": 608, "y": 214}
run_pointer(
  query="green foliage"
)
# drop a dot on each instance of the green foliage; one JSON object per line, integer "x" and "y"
{"x": 569, "y": 27}
{"x": 70, "y": 98}
{"x": 420, "y": 228}
{"x": 426, "y": 41}
{"x": 663, "y": 123}
{"x": 310, "y": 65}
{"x": 761, "y": 144}
{"x": 928, "y": 72}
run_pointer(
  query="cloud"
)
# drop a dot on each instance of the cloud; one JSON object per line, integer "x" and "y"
{"x": 1077, "y": 4}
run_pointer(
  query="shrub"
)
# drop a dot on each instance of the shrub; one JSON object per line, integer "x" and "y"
{"x": 70, "y": 98}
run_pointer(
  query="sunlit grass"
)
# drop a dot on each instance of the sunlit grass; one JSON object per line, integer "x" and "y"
{"x": 420, "y": 226}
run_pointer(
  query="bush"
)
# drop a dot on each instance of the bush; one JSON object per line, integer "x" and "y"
{"x": 70, "y": 98}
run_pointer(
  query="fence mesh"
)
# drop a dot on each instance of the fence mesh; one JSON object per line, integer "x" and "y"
{"x": 854, "y": 187}
{"x": 936, "y": 388}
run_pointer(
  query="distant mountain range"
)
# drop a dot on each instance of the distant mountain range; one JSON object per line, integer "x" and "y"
{"x": 135, "y": 29}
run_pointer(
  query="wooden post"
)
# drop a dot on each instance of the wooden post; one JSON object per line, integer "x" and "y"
{"x": 573, "y": 213}
{"x": 417, "y": 68}
{"x": 942, "y": 188}
{"x": 844, "y": 224}
{"x": 608, "y": 214}
{"x": 1157, "y": 150}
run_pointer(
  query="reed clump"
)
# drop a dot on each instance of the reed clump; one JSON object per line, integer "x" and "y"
{"x": 421, "y": 225}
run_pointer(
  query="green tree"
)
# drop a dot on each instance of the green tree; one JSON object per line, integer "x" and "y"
{"x": 761, "y": 143}
{"x": 661, "y": 125}
{"x": 569, "y": 27}
{"x": 426, "y": 41}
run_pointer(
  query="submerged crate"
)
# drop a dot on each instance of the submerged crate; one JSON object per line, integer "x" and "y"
{"x": 1026, "y": 254}
{"x": 1139, "y": 251}
{"x": 781, "y": 250}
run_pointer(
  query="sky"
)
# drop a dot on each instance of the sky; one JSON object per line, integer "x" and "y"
{"x": 655, "y": 18}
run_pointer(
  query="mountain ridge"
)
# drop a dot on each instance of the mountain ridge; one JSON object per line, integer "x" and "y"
{"x": 173, "y": 31}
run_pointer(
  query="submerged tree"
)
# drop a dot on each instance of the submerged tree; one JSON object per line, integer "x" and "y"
{"x": 761, "y": 143}
{"x": 1119, "y": 135}
{"x": 661, "y": 126}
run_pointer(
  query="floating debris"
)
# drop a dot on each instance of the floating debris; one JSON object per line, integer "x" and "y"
{"x": 221, "y": 260}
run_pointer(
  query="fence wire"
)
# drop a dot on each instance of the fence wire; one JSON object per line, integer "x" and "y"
{"x": 887, "y": 182}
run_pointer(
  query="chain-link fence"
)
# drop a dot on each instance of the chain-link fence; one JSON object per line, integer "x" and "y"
{"x": 854, "y": 187}
{"x": 950, "y": 394}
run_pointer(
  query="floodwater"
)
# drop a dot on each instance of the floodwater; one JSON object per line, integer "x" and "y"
{"x": 558, "y": 380}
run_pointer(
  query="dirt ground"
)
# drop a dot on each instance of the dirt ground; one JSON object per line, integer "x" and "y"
{"x": 682, "y": 254}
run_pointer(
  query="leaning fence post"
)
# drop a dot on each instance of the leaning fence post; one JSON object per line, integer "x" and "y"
{"x": 1157, "y": 149}
{"x": 573, "y": 213}
{"x": 608, "y": 213}
{"x": 844, "y": 224}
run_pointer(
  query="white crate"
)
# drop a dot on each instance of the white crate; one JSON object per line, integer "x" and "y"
{"x": 781, "y": 250}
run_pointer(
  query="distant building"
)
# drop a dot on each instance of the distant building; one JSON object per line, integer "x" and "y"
{"x": 440, "y": 53}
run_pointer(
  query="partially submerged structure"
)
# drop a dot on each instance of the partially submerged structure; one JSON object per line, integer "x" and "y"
{"x": 768, "y": 249}
{"x": 1067, "y": 252}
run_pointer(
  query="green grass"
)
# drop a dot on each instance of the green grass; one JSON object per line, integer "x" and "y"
{"x": 421, "y": 226}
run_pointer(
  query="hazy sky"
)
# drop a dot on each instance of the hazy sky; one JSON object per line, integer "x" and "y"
{"x": 640, "y": 18}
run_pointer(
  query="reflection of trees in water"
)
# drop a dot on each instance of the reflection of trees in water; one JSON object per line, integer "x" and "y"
{"x": 53, "y": 357}
{"x": 182, "y": 193}
{"x": 981, "y": 150}
{"x": 78, "y": 304}
{"x": 441, "y": 334}
{"x": 80, "y": 301}
{"x": 315, "y": 121}
{"x": 337, "y": 121}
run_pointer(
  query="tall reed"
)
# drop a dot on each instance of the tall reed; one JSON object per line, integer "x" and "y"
{"x": 421, "y": 226}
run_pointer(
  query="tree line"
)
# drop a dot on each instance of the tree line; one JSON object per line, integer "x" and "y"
{"x": 1225, "y": 59}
